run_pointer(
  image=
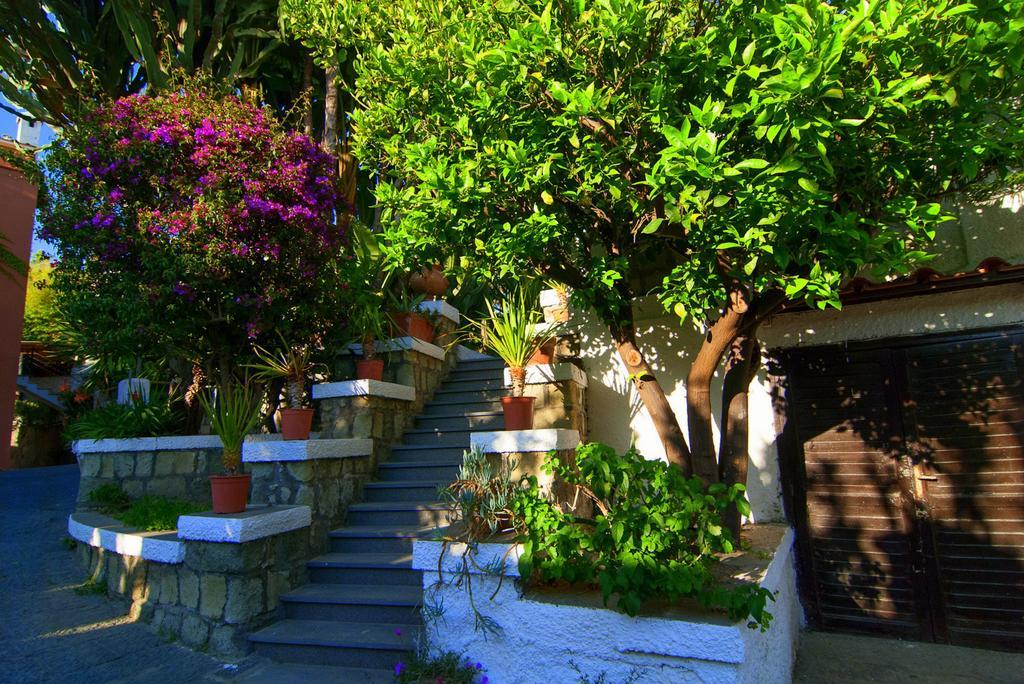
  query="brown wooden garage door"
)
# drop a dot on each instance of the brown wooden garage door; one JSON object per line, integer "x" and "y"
{"x": 904, "y": 465}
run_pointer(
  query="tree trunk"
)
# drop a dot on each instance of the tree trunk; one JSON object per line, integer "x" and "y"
{"x": 307, "y": 88}
{"x": 698, "y": 391}
{"x": 652, "y": 395}
{"x": 330, "y": 140}
{"x": 733, "y": 453}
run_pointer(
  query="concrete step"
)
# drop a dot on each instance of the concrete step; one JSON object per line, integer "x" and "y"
{"x": 493, "y": 362}
{"x": 430, "y": 436}
{"x": 399, "y": 513}
{"x": 263, "y": 671}
{"x": 475, "y": 420}
{"x": 410, "y": 490}
{"x": 392, "y": 605}
{"x": 468, "y": 395}
{"x": 441, "y": 407}
{"x": 459, "y": 384}
{"x": 379, "y": 538}
{"x": 326, "y": 642}
{"x": 364, "y": 568}
{"x": 466, "y": 374}
{"x": 427, "y": 469}
{"x": 427, "y": 452}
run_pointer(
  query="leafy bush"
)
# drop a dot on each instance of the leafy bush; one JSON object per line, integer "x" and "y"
{"x": 119, "y": 421}
{"x": 110, "y": 499}
{"x": 157, "y": 513}
{"x": 34, "y": 414}
{"x": 654, "y": 534}
{"x": 187, "y": 223}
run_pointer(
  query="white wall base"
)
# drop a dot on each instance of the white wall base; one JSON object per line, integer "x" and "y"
{"x": 103, "y": 532}
{"x": 524, "y": 441}
{"x": 544, "y": 641}
{"x": 255, "y": 522}
{"x": 439, "y": 307}
{"x": 304, "y": 449}
{"x": 543, "y": 373}
{"x": 402, "y": 344}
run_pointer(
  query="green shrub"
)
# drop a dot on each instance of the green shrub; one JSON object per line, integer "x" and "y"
{"x": 450, "y": 668}
{"x": 110, "y": 499}
{"x": 33, "y": 414}
{"x": 157, "y": 513}
{"x": 654, "y": 534}
{"x": 134, "y": 419}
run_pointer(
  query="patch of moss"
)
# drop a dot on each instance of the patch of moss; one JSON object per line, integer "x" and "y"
{"x": 91, "y": 588}
{"x": 157, "y": 513}
{"x": 110, "y": 499}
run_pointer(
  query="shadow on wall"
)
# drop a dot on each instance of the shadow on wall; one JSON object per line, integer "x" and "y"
{"x": 907, "y": 468}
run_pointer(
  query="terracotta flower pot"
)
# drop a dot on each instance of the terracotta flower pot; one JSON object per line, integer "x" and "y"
{"x": 546, "y": 354}
{"x": 429, "y": 281}
{"x": 230, "y": 492}
{"x": 518, "y": 412}
{"x": 369, "y": 369}
{"x": 414, "y": 325}
{"x": 295, "y": 423}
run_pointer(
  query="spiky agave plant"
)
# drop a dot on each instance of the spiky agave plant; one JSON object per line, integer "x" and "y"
{"x": 511, "y": 331}
{"x": 234, "y": 411}
{"x": 291, "y": 362}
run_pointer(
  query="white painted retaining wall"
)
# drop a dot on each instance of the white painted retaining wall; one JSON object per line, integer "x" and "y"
{"x": 542, "y": 641}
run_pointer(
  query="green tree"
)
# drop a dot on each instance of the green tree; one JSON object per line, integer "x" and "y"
{"x": 730, "y": 157}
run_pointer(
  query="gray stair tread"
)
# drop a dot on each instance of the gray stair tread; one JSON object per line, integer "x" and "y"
{"x": 357, "y": 594}
{"x": 404, "y": 484}
{"x": 338, "y": 634}
{"x": 437, "y": 431}
{"x": 461, "y": 414}
{"x": 431, "y": 505}
{"x": 451, "y": 461}
{"x": 425, "y": 447}
{"x": 424, "y": 532}
{"x": 398, "y": 561}
{"x": 301, "y": 673}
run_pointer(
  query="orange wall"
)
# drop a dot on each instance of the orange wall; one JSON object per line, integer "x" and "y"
{"x": 17, "y": 213}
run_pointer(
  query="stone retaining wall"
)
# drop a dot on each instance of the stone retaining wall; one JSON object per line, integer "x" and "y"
{"x": 216, "y": 597}
{"x": 180, "y": 474}
{"x": 561, "y": 404}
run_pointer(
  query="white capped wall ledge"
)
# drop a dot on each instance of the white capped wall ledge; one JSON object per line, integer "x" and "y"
{"x": 439, "y": 307}
{"x": 255, "y": 522}
{"x": 539, "y": 637}
{"x": 548, "y": 298}
{"x": 267, "y": 451}
{"x": 464, "y": 353}
{"x": 103, "y": 532}
{"x": 363, "y": 388}
{"x": 403, "y": 344}
{"x": 169, "y": 443}
{"x": 524, "y": 441}
{"x": 543, "y": 373}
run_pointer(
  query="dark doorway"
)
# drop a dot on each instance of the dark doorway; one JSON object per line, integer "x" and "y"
{"x": 903, "y": 462}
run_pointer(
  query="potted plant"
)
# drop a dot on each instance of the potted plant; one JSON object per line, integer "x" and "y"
{"x": 292, "y": 364}
{"x": 429, "y": 281}
{"x": 369, "y": 324}
{"x": 409, "y": 320}
{"x": 510, "y": 331}
{"x": 234, "y": 412}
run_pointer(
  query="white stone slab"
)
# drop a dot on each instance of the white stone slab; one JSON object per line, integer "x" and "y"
{"x": 439, "y": 307}
{"x": 304, "y": 449}
{"x": 138, "y": 386}
{"x": 403, "y": 344}
{"x": 363, "y": 388}
{"x": 524, "y": 441}
{"x": 548, "y": 299}
{"x": 463, "y": 353}
{"x": 255, "y": 522}
{"x": 104, "y": 532}
{"x": 168, "y": 443}
{"x": 543, "y": 373}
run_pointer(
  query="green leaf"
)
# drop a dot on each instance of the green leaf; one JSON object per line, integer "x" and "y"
{"x": 808, "y": 184}
{"x": 748, "y": 52}
{"x": 546, "y": 196}
{"x": 652, "y": 226}
{"x": 751, "y": 164}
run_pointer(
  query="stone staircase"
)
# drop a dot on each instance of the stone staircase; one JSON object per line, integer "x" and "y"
{"x": 360, "y": 613}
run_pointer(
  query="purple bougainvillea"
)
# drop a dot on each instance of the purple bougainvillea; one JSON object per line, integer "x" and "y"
{"x": 200, "y": 207}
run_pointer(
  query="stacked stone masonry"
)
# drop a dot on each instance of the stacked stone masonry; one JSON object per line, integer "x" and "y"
{"x": 217, "y": 596}
{"x": 180, "y": 474}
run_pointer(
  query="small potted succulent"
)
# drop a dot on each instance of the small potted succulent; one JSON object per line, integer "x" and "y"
{"x": 409, "y": 320}
{"x": 234, "y": 411}
{"x": 510, "y": 331}
{"x": 291, "y": 363}
{"x": 369, "y": 323}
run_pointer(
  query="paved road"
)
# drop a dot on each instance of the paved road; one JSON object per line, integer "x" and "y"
{"x": 47, "y": 632}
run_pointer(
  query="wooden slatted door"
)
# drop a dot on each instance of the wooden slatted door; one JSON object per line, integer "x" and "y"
{"x": 905, "y": 469}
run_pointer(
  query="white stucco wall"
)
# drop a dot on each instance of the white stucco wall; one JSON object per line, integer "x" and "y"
{"x": 563, "y": 638}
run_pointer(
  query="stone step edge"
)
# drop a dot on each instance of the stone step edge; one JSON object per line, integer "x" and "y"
{"x": 363, "y": 388}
